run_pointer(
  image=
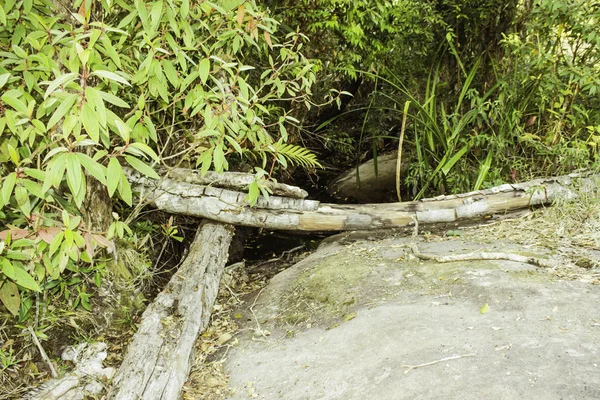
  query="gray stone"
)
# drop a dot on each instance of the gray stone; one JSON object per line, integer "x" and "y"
{"x": 349, "y": 321}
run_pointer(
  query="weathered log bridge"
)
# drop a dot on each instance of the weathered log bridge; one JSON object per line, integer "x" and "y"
{"x": 187, "y": 192}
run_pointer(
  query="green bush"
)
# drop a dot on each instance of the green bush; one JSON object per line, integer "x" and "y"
{"x": 88, "y": 88}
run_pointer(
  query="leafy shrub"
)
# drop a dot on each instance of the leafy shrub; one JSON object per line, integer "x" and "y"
{"x": 87, "y": 89}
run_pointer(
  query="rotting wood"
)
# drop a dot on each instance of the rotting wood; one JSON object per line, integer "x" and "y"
{"x": 178, "y": 199}
{"x": 157, "y": 362}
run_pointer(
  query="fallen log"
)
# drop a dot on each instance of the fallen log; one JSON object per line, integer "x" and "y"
{"x": 157, "y": 362}
{"x": 185, "y": 189}
{"x": 332, "y": 217}
{"x": 238, "y": 181}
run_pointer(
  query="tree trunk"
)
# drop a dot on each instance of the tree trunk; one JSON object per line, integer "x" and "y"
{"x": 97, "y": 206}
{"x": 157, "y": 362}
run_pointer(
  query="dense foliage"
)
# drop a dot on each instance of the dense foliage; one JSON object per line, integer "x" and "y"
{"x": 492, "y": 91}
{"x": 90, "y": 88}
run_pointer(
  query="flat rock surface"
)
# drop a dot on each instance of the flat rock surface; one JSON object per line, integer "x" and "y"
{"x": 364, "y": 319}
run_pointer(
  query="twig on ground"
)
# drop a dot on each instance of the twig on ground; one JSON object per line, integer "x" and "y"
{"x": 280, "y": 258}
{"x": 415, "y": 232}
{"x": 411, "y": 367}
{"x": 290, "y": 251}
{"x": 235, "y": 296}
{"x": 258, "y": 328}
{"x": 42, "y": 352}
{"x": 538, "y": 262}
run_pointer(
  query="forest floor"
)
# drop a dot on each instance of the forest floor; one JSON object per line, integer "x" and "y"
{"x": 364, "y": 317}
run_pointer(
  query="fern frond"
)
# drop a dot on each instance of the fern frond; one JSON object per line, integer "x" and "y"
{"x": 294, "y": 154}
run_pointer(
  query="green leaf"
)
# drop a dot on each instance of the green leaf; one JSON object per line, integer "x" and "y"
{"x": 206, "y": 160}
{"x": 484, "y": 309}
{"x": 111, "y": 76}
{"x": 14, "y": 156}
{"x": 22, "y": 197}
{"x": 204, "y": 69}
{"x": 2, "y": 17}
{"x": 122, "y": 129}
{"x": 8, "y": 186}
{"x": 218, "y": 158}
{"x": 113, "y": 175}
{"x": 9, "y": 295}
{"x": 55, "y": 174}
{"x": 110, "y": 50}
{"x": 35, "y": 173}
{"x": 125, "y": 191}
{"x": 235, "y": 144}
{"x": 55, "y": 151}
{"x": 90, "y": 122}
{"x": 185, "y": 8}
{"x": 483, "y": 171}
{"x": 243, "y": 88}
{"x": 112, "y": 99}
{"x": 11, "y": 98}
{"x": 7, "y": 268}
{"x": 127, "y": 20}
{"x": 61, "y": 80}
{"x": 155, "y": 15}
{"x": 18, "y": 255}
{"x": 19, "y": 52}
{"x": 146, "y": 150}
{"x": 253, "y": 193}
{"x": 142, "y": 167}
{"x": 170, "y": 72}
{"x": 75, "y": 177}
{"x": 448, "y": 166}
{"x": 4, "y": 79}
{"x": 56, "y": 242}
{"x": 94, "y": 168}
{"x": 33, "y": 188}
{"x": 93, "y": 97}
{"x": 151, "y": 129}
{"x": 23, "y": 279}
{"x": 143, "y": 13}
{"x": 65, "y": 105}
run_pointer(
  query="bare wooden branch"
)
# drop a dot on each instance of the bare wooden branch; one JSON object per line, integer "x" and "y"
{"x": 157, "y": 362}
{"x": 411, "y": 367}
{"x": 42, "y": 352}
{"x": 237, "y": 181}
{"x": 333, "y": 217}
{"x": 487, "y": 256}
{"x": 171, "y": 187}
